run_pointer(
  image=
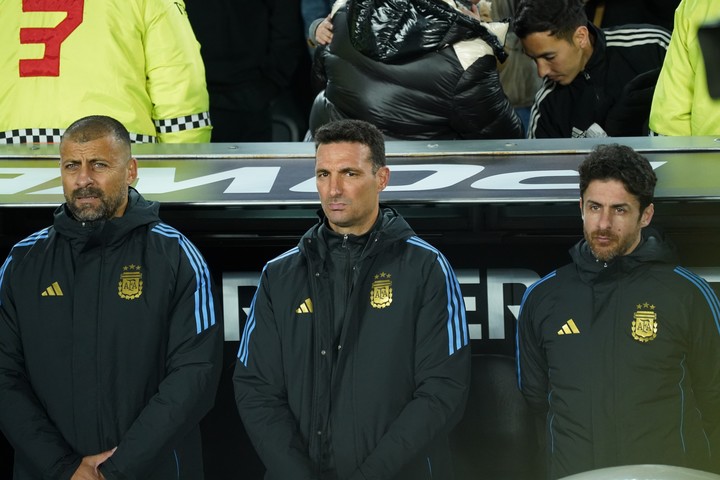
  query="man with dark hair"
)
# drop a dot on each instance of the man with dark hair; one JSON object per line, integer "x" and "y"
{"x": 621, "y": 348}
{"x": 596, "y": 82}
{"x": 109, "y": 334}
{"x": 354, "y": 361}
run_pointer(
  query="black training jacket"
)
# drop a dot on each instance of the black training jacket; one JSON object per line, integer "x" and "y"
{"x": 380, "y": 399}
{"x": 110, "y": 336}
{"x": 624, "y": 358}
{"x": 619, "y": 55}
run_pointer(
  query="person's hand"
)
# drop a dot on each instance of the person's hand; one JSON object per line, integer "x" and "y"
{"x": 324, "y": 33}
{"x": 472, "y": 12}
{"x": 88, "y": 469}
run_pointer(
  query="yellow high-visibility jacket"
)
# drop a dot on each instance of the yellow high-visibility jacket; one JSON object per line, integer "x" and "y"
{"x": 681, "y": 103}
{"x": 135, "y": 60}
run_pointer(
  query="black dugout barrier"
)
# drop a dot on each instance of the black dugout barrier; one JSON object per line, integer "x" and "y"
{"x": 503, "y": 212}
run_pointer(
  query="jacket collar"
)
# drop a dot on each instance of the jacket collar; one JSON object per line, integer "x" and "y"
{"x": 597, "y": 59}
{"x": 389, "y": 227}
{"x": 653, "y": 248}
{"x": 137, "y": 213}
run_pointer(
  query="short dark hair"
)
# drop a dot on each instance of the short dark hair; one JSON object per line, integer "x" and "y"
{"x": 622, "y": 163}
{"x": 559, "y": 17}
{"x": 354, "y": 131}
{"x": 93, "y": 127}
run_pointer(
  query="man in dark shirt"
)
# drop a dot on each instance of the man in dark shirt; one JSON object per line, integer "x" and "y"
{"x": 596, "y": 82}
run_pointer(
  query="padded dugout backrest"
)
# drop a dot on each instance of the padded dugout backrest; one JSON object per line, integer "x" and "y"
{"x": 496, "y": 438}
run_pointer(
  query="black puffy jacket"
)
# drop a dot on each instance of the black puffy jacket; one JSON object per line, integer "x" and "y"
{"x": 394, "y": 63}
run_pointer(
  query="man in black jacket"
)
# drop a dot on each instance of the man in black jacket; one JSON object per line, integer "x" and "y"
{"x": 621, "y": 348}
{"x": 416, "y": 69}
{"x": 354, "y": 361}
{"x": 596, "y": 82}
{"x": 110, "y": 340}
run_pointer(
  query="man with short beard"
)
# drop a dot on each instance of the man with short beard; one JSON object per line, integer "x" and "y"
{"x": 621, "y": 348}
{"x": 110, "y": 341}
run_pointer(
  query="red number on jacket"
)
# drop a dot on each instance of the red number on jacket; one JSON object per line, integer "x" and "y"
{"x": 49, "y": 65}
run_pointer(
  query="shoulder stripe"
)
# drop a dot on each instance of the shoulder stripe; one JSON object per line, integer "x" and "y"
{"x": 458, "y": 333}
{"x": 630, "y": 33}
{"x": 26, "y": 242}
{"x": 204, "y": 302}
{"x": 34, "y": 238}
{"x": 633, "y": 37}
{"x": 707, "y": 291}
{"x": 244, "y": 349}
{"x": 547, "y": 87}
{"x": 2, "y": 272}
{"x": 532, "y": 287}
{"x": 517, "y": 331}
{"x": 290, "y": 252}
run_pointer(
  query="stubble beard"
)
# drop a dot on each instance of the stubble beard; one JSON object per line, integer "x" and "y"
{"x": 108, "y": 207}
{"x": 617, "y": 248}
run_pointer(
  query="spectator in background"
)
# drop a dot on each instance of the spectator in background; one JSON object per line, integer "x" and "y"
{"x": 517, "y": 74}
{"x": 403, "y": 66}
{"x": 619, "y": 350}
{"x": 136, "y": 60}
{"x": 313, "y": 13}
{"x": 612, "y": 13}
{"x": 251, "y": 50}
{"x": 682, "y": 104}
{"x": 596, "y": 82}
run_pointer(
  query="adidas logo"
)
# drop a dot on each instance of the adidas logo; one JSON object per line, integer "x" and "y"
{"x": 53, "y": 290}
{"x": 305, "y": 307}
{"x": 569, "y": 328}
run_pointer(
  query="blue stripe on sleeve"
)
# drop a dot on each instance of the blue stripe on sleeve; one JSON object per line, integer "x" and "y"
{"x": 458, "y": 333}
{"x": 517, "y": 331}
{"x": 2, "y": 272}
{"x": 706, "y": 290}
{"x": 27, "y": 242}
{"x": 204, "y": 302}
{"x": 244, "y": 350}
{"x": 33, "y": 239}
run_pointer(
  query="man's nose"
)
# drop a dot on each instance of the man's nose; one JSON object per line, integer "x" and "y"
{"x": 84, "y": 176}
{"x": 543, "y": 69}
{"x": 335, "y": 185}
{"x": 605, "y": 220}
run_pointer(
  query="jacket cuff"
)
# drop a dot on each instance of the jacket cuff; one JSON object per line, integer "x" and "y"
{"x": 311, "y": 31}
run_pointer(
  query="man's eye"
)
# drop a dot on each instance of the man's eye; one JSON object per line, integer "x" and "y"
{"x": 99, "y": 166}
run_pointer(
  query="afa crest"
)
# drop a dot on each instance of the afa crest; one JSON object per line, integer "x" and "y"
{"x": 130, "y": 286}
{"x": 381, "y": 294}
{"x": 644, "y": 324}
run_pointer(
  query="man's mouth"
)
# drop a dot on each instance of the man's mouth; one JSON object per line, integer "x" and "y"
{"x": 603, "y": 239}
